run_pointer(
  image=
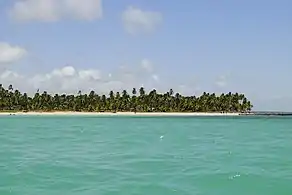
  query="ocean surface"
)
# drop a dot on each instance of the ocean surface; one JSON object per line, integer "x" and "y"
{"x": 79, "y": 155}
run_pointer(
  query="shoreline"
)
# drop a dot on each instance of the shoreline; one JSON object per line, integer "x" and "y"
{"x": 69, "y": 113}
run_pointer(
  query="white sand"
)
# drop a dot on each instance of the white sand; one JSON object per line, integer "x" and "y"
{"x": 121, "y": 113}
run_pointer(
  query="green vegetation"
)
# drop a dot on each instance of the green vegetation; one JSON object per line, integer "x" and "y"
{"x": 14, "y": 100}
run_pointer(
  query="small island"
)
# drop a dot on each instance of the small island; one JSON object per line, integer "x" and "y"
{"x": 13, "y": 101}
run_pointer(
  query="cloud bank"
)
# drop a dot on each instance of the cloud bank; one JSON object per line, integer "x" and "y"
{"x": 69, "y": 79}
{"x": 137, "y": 21}
{"x": 10, "y": 54}
{"x": 55, "y": 10}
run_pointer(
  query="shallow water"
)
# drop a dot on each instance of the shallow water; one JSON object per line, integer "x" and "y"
{"x": 59, "y": 155}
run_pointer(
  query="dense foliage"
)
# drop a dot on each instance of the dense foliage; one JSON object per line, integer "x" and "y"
{"x": 14, "y": 100}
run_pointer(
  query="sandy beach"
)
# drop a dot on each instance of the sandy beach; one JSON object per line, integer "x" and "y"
{"x": 120, "y": 113}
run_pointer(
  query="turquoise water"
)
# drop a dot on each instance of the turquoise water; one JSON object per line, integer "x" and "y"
{"x": 145, "y": 156}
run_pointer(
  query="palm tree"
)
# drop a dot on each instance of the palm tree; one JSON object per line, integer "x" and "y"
{"x": 152, "y": 102}
{"x": 10, "y": 88}
{"x": 142, "y": 91}
{"x": 134, "y": 91}
{"x": 171, "y": 92}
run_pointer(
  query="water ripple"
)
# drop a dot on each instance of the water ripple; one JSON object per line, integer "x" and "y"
{"x": 87, "y": 155}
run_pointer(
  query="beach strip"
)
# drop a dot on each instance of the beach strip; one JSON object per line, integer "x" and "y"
{"x": 119, "y": 113}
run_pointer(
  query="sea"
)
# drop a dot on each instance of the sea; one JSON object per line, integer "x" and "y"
{"x": 135, "y": 155}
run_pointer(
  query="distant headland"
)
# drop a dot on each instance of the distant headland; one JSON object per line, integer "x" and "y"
{"x": 268, "y": 113}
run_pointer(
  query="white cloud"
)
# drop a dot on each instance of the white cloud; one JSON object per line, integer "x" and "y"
{"x": 221, "y": 81}
{"x": 136, "y": 20}
{"x": 69, "y": 79}
{"x": 64, "y": 72}
{"x": 55, "y": 10}
{"x": 10, "y": 54}
{"x": 84, "y": 9}
{"x": 147, "y": 65}
{"x": 90, "y": 74}
{"x": 155, "y": 77}
{"x": 188, "y": 89}
{"x": 9, "y": 74}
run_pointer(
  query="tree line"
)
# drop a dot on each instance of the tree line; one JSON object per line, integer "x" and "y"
{"x": 137, "y": 101}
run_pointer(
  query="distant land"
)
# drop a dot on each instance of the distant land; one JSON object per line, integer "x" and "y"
{"x": 138, "y": 101}
{"x": 270, "y": 113}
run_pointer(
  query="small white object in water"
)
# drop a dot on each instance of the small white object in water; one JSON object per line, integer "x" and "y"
{"x": 238, "y": 175}
{"x": 161, "y": 137}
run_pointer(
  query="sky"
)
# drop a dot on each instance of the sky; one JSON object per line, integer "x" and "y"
{"x": 63, "y": 46}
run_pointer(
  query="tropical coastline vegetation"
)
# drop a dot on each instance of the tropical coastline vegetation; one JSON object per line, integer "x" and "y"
{"x": 137, "y": 101}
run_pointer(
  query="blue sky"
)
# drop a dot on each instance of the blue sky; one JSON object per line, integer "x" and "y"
{"x": 194, "y": 46}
